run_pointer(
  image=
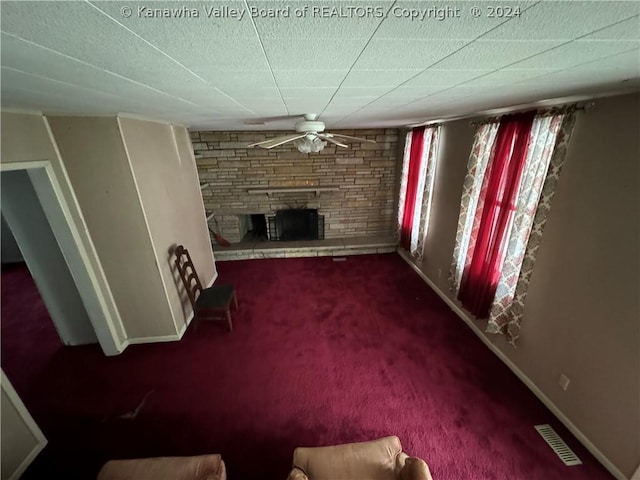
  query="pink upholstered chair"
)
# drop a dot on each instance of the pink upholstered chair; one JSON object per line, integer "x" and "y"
{"x": 202, "y": 467}
{"x": 381, "y": 459}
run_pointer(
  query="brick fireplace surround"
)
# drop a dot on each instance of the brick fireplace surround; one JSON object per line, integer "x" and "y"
{"x": 355, "y": 189}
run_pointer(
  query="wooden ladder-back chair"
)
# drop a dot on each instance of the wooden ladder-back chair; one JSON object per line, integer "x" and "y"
{"x": 212, "y": 302}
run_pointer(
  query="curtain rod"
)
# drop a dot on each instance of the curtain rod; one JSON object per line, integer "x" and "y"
{"x": 544, "y": 111}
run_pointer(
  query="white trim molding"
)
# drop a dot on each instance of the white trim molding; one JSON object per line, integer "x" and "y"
{"x": 168, "y": 338}
{"x": 14, "y": 166}
{"x": 133, "y": 116}
{"x": 21, "y": 111}
{"x": 615, "y": 471}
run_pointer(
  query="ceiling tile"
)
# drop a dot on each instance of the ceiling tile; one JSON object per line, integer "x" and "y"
{"x": 198, "y": 43}
{"x": 198, "y": 19}
{"x": 489, "y": 55}
{"x": 343, "y": 107}
{"x": 378, "y": 78}
{"x": 109, "y": 103}
{"x": 609, "y": 69}
{"x": 502, "y": 78}
{"x": 562, "y": 20}
{"x": 306, "y": 105}
{"x": 413, "y": 92}
{"x": 95, "y": 40}
{"x": 87, "y": 58}
{"x": 309, "y": 78}
{"x": 401, "y": 54}
{"x": 625, "y": 30}
{"x": 575, "y": 53}
{"x": 39, "y": 61}
{"x": 268, "y": 93}
{"x": 363, "y": 92}
{"x": 299, "y": 92}
{"x": 244, "y": 80}
{"x": 444, "y": 78}
{"x": 454, "y": 21}
{"x": 30, "y": 99}
{"x": 332, "y": 53}
{"x": 308, "y": 21}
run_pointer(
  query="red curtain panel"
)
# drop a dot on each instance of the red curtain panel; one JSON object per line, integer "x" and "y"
{"x": 480, "y": 279}
{"x": 415, "y": 160}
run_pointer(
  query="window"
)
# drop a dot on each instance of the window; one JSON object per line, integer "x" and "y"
{"x": 514, "y": 166}
{"x": 416, "y": 188}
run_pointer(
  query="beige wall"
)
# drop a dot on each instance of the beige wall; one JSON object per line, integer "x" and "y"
{"x": 94, "y": 155}
{"x": 167, "y": 181}
{"x": 21, "y": 438}
{"x": 25, "y": 138}
{"x": 582, "y": 312}
{"x": 192, "y": 208}
{"x": 17, "y": 440}
{"x": 111, "y": 203}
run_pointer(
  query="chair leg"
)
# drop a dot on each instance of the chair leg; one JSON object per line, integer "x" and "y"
{"x": 235, "y": 300}
{"x": 228, "y": 314}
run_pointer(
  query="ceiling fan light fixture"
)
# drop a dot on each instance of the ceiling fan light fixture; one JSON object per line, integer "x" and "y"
{"x": 309, "y": 144}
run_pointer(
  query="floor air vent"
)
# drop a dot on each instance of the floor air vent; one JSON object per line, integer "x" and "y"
{"x": 562, "y": 450}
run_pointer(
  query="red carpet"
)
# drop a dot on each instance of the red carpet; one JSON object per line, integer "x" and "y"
{"x": 322, "y": 352}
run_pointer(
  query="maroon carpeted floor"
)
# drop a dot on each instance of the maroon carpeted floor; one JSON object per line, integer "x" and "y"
{"x": 323, "y": 352}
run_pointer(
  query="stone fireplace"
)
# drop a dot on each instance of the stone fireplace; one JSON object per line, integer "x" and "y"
{"x": 352, "y": 189}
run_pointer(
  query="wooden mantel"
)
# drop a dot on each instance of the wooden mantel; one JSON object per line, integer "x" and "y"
{"x": 307, "y": 188}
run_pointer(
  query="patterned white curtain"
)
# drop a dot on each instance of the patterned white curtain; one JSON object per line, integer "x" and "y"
{"x": 551, "y": 146}
{"x": 542, "y": 140}
{"x": 425, "y": 192}
{"x": 403, "y": 181}
{"x": 424, "y": 195}
{"x": 475, "y": 179}
{"x": 547, "y": 149}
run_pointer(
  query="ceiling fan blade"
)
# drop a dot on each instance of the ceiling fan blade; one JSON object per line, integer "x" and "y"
{"x": 350, "y": 137}
{"x": 257, "y": 144}
{"x": 329, "y": 139}
{"x": 274, "y": 142}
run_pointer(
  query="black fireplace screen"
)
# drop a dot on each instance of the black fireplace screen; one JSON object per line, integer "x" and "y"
{"x": 296, "y": 224}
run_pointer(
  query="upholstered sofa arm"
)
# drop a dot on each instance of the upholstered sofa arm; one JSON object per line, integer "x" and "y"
{"x": 297, "y": 474}
{"x": 352, "y": 461}
{"x": 202, "y": 467}
{"x": 414, "y": 468}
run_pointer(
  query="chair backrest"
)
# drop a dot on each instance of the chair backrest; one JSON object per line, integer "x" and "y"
{"x": 188, "y": 274}
{"x": 375, "y": 460}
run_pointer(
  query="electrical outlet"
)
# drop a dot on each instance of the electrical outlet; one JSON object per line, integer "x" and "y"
{"x": 563, "y": 381}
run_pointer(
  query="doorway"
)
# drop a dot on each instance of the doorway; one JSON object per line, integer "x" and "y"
{"x": 27, "y": 221}
{"x": 95, "y": 315}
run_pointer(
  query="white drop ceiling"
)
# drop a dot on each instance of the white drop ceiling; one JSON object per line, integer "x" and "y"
{"x": 355, "y": 69}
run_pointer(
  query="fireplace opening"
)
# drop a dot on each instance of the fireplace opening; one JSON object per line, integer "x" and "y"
{"x": 296, "y": 224}
{"x": 254, "y": 227}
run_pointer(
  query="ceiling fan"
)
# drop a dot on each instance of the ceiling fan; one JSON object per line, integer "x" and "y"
{"x": 309, "y": 137}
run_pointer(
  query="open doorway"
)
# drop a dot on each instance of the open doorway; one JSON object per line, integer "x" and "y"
{"x": 28, "y": 224}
